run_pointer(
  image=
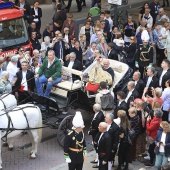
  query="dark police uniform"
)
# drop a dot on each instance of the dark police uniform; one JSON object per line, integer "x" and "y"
{"x": 144, "y": 57}
{"x": 74, "y": 147}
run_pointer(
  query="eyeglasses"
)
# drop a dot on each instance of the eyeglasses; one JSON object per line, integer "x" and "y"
{"x": 66, "y": 30}
{"x": 131, "y": 39}
{"x": 56, "y": 34}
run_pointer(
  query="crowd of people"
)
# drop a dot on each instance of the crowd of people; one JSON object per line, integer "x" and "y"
{"x": 126, "y": 123}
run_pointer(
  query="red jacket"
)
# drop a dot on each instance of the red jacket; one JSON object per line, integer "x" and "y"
{"x": 152, "y": 126}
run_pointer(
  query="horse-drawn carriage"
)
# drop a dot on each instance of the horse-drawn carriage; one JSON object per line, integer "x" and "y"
{"x": 63, "y": 95}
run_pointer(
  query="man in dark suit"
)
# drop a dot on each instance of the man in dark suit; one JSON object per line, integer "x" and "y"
{"x": 151, "y": 80}
{"x": 93, "y": 130}
{"x": 103, "y": 145}
{"x": 24, "y": 81}
{"x": 77, "y": 49}
{"x": 114, "y": 131}
{"x": 132, "y": 93}
{"x": 121, "y": 105}
{"x": 164, "y": 74}
{"x": 139, "y": 83}
{"x": 111, "y": 52}
{"x": 24, "y": 4}
{"x": 73, "y": 63}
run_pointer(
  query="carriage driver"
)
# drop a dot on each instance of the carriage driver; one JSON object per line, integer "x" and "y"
{"x": 49, "y": 72}
{"x": 74, "y": 144}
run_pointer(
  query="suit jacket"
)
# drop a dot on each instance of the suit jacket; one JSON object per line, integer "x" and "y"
{"x": 135, "y": 94}
{"x": 95, "y": 123}
{"x": 112, "y": 55}
{"x": 140, "y": 87}
{"x": 114, "y": 133}
{"x": 77, "y": 66}
{"x": 27, "y": 11}
{"x": 123, "y": 106}
{"x": 101, "y": 49}
{"x": 30, "y": 82}
{"x": 103, "y": 146}
{"x": 164, "y": 78}
{"x": 154, "y": 83}
{"x": 32, "y": 12}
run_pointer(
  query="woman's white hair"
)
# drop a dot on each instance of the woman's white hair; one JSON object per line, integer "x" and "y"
{"x": 4, "y": 74}
{"x": 46, "y": 39}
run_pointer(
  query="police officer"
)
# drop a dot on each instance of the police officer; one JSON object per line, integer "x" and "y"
{"x": 74, "y": 144}
{"x": 144, "y": 55}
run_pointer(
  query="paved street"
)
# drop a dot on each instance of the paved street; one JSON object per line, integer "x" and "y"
{"x": 50, "y": 154}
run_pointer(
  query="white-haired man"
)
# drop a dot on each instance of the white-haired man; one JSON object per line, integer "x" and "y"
{"x": 103, "y": 146}
{"x": 12, "y": 68}
{"x": 74, "y": 144}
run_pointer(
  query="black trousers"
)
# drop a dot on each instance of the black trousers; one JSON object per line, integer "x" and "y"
{"x": 152, "y": 153}
{"x": 123, "y": 154}
{"x": 165, "y": 116}
{"x": 101, "y": 166}
{"x": 161, "y": 56}
{"x": 74, "y": 166}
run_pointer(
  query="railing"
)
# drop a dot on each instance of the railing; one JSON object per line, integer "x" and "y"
{"x": 119, "y": 8}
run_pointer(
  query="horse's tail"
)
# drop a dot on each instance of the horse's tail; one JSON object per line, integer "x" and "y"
{"x": 39, "y": 125}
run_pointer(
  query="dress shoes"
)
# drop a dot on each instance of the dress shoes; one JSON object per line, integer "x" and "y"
{"x": 95, "y": 166}
{"x": 94, "y": 162}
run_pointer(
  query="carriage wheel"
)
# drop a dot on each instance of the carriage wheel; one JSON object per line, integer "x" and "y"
{"x": 63, "y": 129}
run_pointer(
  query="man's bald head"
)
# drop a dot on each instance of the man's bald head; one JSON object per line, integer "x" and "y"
{"x": 106, "y": 63}
{"x": 103, "y": 127}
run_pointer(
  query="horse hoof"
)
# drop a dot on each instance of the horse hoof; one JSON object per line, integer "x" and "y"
{"x": 32, "y": 157}
{"x": 10, "y": 149}
{"x": 5, "y": 144}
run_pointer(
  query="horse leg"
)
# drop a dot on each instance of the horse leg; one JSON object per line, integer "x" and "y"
{"x": 35, "y": 143}
{"x": 0, "y": 151}
{"x": 10, "y": 144}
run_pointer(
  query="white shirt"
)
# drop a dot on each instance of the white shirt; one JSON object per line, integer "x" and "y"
{"x": 100, "y": 137}
{"x": 108, "y": 127}
{"x": 149, "y": 81}
{"x": 163, "y": 137}
{"x": 66, "y": 38}
{"x": 95, "y": 116}
{"x": 22, "y": 6}
{"x": 110, "y": 22}
{"x": 24, "y": 80}
{"x": 70, "y": 65}
{"x": 51, "y": 63}
{"x": 160, "y": 80}
{"x": 129, "y": 94}
{"x": 136, "y": 83}
{"x": 12, "y": 70}
{"x": 36, "y": 14}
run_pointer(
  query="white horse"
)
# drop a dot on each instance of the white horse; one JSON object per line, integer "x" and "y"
{"x": 8, "y": 102}
{"x": 32, "y": 119}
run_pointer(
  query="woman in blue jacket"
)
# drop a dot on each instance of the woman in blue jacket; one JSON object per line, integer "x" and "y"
{"x": 162, "y": 142}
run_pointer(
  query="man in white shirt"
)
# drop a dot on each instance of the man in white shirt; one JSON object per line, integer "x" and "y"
{"x": 24, "y": 81}
{"x": 107, "y": 17}
{"x": 132, "y": 93}
{"x": 113, "y": 130}
{"x": 164, "y": 74}
{"x": 162, "y": 15}
{"x": 147, "y": 16}
{"x": 12, "y": 68}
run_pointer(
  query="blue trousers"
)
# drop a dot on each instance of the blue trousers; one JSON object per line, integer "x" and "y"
{"x": 39, "y": 85}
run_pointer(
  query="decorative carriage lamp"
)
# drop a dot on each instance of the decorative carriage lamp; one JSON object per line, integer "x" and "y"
{"x": 118, "y": 2}
{"x": 115, "y": 2}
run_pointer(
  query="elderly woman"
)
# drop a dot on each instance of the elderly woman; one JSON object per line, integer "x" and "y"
{"x": 152, "y": 126}
{"x": 163, "y": 144}
{"x": 166, "y": 101}
{"x": 5, "y": 85}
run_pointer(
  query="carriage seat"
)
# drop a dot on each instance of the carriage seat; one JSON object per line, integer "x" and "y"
{"x": 63, "y": 87}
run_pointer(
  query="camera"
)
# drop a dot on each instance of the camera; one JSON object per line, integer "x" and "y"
{"x": 60, "y": 39}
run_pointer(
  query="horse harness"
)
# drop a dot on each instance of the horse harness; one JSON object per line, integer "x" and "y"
{"x": 8, "y": 129}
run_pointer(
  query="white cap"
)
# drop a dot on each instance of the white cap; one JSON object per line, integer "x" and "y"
{"x": 145, "y": 36}
{"x": 78, "y": 120}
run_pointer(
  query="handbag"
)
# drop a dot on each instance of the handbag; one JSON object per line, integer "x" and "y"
{"x": 132, "y": 133}
{"x": 150, "y": 140}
